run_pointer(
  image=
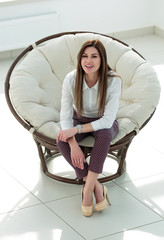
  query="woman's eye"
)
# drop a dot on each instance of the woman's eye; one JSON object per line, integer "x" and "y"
{"x": 84, "y": 56}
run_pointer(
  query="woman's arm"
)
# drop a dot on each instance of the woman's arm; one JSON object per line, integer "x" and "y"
{"x": 68, "y": 131}
{"x": 77, "y": 156}
{"x": 66, "y": 112}
{"x": 111, "y": 107}
{"x": 64, "y": 135}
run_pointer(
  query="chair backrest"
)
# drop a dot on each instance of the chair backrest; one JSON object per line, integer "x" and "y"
{"x": 36, "y": 82}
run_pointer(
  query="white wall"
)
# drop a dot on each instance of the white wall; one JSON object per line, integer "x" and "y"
{"x": 104, "y": 15}
{"x": 25, "y": 8}
{"x": 159, "y": 13}
{"x": 94, "y": 15}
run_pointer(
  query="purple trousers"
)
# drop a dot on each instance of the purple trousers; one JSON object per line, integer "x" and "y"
{"x": 100, "y": 149}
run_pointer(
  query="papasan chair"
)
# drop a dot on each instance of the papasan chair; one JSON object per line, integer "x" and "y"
{"x": 33, "y": 92}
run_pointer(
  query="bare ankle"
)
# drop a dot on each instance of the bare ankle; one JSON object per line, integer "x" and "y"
{"x": 97, "y": 185}
{"x": 87, "y": 197}
{"x": 98, "y": 191}
{"x": 88, "y": 189}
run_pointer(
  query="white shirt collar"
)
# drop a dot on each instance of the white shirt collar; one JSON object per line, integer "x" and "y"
{"x": 85, "y": 86}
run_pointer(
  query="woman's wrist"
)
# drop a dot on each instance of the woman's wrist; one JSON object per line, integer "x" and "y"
{"x": 75, "y": 130}
{"x": 72, "y": 141}
{"x": 79, "y": 128}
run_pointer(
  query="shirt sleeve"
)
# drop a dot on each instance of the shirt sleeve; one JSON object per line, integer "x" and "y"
{"x": 66, "y": 112}
{"x": 111, "y": 107}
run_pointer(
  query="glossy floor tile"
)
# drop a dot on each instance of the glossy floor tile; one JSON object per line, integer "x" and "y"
{"x": 14, "y": 195}
{"x": 35, "y": 223}
{"x": 150, "y": 232}
{"x": 35, "y": 207}
{"x": 149, "y": 191}
{"x": 124, "y": 207}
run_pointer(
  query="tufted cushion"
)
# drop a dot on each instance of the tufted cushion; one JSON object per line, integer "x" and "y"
{"x": 37, "y": 82}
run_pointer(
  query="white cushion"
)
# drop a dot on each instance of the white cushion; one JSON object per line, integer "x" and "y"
{"x": 36, "y": 84}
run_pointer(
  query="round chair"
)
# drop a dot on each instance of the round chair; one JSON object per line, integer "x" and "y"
{"x": 33, "y": 92}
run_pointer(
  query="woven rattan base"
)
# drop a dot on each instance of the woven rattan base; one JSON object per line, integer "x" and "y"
{"x": 48, "y": 150}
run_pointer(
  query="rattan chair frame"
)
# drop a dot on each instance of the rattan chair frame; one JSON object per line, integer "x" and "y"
{"x": 47, "y": 147}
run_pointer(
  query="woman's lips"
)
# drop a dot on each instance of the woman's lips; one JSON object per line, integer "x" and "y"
{"x": 89, "y": 66}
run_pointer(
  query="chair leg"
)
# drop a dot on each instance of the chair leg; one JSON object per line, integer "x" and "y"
{"x": 122, "y": 157}
{"x": 41, "y": 155}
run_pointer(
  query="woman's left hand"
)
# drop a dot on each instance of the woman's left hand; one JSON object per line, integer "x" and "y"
{"x": 64, "y": 135}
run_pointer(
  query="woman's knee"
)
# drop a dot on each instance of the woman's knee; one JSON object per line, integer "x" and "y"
{"x": 107, "y": 134}
{"x": 103, "y": 135}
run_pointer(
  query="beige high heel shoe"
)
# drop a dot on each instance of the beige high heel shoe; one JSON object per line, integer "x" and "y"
{"x": 103, "y": 204}
{"x": 86, "y": 210}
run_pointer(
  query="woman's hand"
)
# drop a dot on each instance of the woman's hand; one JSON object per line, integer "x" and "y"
{"x": 64, "y": 135}
{"x": 77, "y": 156}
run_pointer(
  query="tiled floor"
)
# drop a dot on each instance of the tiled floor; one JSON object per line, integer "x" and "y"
{"x": 35, "y": 207}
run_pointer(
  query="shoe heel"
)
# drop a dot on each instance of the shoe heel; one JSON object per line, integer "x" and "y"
{"x": 108, "y": 200}
{"x": 103, "y": 205}
{"x": 106, "y": 195}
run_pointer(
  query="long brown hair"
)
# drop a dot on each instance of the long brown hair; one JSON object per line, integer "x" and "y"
{"x": 103, "y": 77}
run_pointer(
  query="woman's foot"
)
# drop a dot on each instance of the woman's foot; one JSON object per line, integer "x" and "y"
{"x": 87, "y": 202}
{"x": 99, "y": 192}
{"x": 102, "y": 204}
{"x": 87, "y": 198}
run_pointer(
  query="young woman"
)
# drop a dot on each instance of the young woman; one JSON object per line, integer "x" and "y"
{"x": 90, "y": 98}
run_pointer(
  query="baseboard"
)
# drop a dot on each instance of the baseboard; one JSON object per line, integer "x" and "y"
{"x": 159, "y": 31}
{"x": 133, "y": 32}
{"x": 11, "y": 54}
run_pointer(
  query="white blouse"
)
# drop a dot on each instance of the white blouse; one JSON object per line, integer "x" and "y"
{"x": 90, "y": 102}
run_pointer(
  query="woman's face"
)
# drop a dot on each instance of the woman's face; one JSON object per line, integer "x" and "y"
{"x": 91, "y": 60}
